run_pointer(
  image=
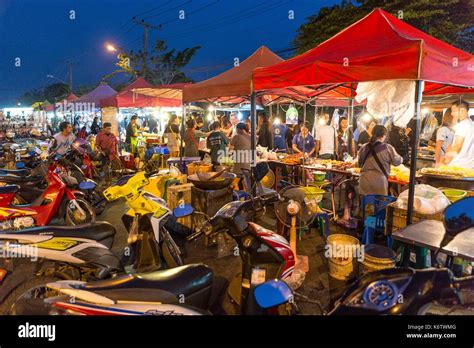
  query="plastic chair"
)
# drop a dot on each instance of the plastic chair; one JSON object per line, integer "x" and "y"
{"x": 376, "y": 222}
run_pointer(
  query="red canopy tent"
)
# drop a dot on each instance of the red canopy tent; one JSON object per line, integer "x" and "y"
{"x": 233, "y": 85}
{"x": 127, "y": 98}
{"x": 377, "y": 47}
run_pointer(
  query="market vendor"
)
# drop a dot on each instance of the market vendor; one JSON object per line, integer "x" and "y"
{"x": 171, "y": 134}
{"x": 132, "y": 135}
{"x": 303, "y": 142}
{"x": 461, "y": 151}
{"x": 375, "y": 159}
{"x": 444, "y": 136}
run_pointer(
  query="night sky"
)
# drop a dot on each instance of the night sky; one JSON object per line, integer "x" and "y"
{"x": 41, "y": 33}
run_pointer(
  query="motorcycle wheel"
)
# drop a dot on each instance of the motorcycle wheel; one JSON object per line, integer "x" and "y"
{"x": 73, "y": 217}
{"x": 28, "y": 298}
{"x": 172, "y": 255}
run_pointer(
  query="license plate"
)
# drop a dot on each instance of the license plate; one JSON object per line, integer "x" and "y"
{"x": 60, "y": 244}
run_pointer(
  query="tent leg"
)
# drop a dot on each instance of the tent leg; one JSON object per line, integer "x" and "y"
{"x": 181, "y": 150}
{"x": 253, "y": 138}
{"x": 414, "y": 151}
{"x": 351, "y": 121}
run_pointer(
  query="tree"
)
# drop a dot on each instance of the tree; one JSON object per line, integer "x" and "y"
{"x": 447, "y": 20}
{"x": 163, "y": 65}
{"x": 52, "y": 93}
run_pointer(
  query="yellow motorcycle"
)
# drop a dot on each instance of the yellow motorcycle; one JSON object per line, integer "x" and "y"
{"x": 151, "y": 225}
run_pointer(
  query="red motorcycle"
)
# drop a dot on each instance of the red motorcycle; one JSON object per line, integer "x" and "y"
{"x": 58, "y": 200}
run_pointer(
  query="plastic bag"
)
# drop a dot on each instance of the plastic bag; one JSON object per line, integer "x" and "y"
{"x": 428, "y": 200}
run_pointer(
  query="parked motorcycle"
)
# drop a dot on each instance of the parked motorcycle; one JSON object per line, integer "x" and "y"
{"x": 410, "y": 291}
{"x": 186, "y": 290}
{"x": 56, "y": 201}
{"x": 36, "y": 256}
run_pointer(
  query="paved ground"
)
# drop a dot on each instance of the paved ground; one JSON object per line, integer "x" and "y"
{"x": 313, "y": 297}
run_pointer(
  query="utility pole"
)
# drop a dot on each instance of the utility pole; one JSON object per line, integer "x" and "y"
{"x": 146, "y": 27}
{"x": 70, "y": 64}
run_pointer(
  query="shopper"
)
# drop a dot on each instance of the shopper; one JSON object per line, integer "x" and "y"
{"x": 375, "y": 159}
{"x": 461, "y": 151}
{"x": 264, "y": 132}
{"x": 303, "y": 142}
{"x": 217, "y": 143}
{"x": 240, "y": 145}
{"x": 444, "y": 136}
{"x": 95, "y": 128}
{"x": 399, "y": 138}
{"x": 326, "y": 140}
{"x": 171, "y": 134}
{"x": 64, "y": 139}
{"x": 132, "y": 135}
{"x": 279, "y": 136}
{"x": 191, "y": 139}
{"x": 364, "y": 137}
{"x": 106, "y": 143}
{"x": 82, "y": 134}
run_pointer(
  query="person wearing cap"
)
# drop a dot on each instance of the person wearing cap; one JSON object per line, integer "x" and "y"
{"x": 106, "y": 144}
{"x": 240, "y": 145}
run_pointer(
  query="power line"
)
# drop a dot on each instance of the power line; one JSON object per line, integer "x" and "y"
{"x": 194, "y": 11}
{"x": 153, "y": 9}
{"x": 171, "y": 9}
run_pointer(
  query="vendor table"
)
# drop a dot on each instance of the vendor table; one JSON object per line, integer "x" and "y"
{"x": 430, "y": 233}
{"x": 293, "y": 172}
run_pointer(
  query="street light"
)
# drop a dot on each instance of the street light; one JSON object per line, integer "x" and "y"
{"x": 109, "y": 47}
{"x": 54, "y": 77}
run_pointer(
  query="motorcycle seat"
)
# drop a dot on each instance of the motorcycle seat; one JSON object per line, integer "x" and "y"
{"x": 97, "y": 231}
{"x": 16, "y": 172}
{"x": 183, "y": 280}
{"x": 20, "y": 179}
{"x": 9, "y": 189}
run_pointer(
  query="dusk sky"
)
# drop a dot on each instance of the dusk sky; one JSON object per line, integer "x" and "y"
{"x": 42, "y": 35}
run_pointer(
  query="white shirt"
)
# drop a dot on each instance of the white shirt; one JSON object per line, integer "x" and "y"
{"x": 327, "y": 136}
{"x": 465, "y": 157}
{"x": 446, "y": 135}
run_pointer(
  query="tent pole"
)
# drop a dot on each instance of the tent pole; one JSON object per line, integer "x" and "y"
{"x": 182, "y": 132}
{"x": 253, "y": 138}
{"x": 351, "y": 121}
{"x": 414, "y": 150}
{"x": 303, "y": 170}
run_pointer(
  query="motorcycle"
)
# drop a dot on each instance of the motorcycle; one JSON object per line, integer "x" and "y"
{"x": 76, "y": 254}
{"x": 406, "y": 291}
{"x": 186, "y": 290}
{"x": 150, "y": 223}
{"x": 36, "y": 256}
{"x": 56, "y": 201}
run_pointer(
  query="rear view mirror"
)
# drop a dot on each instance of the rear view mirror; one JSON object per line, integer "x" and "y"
{"x": 459, "y": 216}
{"x": 260, "y": 170}
{"x": 272, "y": 293}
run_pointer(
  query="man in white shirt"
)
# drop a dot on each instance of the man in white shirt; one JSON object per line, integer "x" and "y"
{"x": 461, "y": 152}
{"x": 326, "y": 139}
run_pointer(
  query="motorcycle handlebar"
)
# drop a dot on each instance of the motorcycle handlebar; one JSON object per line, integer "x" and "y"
{"x": 150, "y": 174}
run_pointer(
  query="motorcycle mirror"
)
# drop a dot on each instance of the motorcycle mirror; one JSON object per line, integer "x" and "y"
{"x": 459, "y": 216}
{"x": 260, "y": 170}
{"x": 272, "y": 293}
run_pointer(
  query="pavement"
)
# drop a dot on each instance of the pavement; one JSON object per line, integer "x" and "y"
{"x": 314, "y": 297}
